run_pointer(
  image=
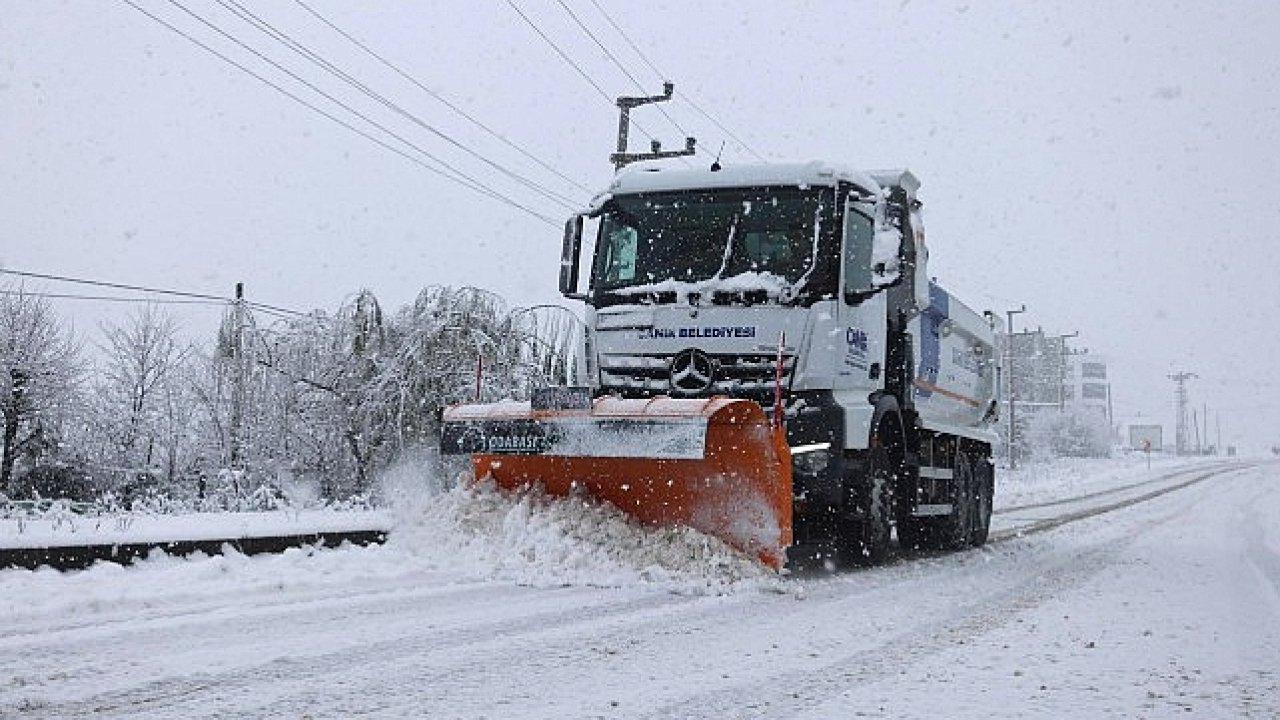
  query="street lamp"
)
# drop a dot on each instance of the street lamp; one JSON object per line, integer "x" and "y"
{"x": 1013, "y": 463}
{"x": 1062, "y": 370}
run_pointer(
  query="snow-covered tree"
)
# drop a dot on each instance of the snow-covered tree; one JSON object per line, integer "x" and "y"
{"x": 39, "y": 371}
{"x": 1074, "y": 432}
{"x": 142, "y": 408}
{"x": 330, "y": 399}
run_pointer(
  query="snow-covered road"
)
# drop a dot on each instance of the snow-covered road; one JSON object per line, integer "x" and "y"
{"x": 487, "y": 606}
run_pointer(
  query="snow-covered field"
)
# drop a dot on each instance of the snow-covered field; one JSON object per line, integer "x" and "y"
{"x": 485, "y": 605}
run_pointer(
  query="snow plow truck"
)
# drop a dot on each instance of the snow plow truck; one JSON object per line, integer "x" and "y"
{"x": 767, "y": 361}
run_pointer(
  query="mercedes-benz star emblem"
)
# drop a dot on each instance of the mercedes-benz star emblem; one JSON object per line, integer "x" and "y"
{"x": 692, "y": 371}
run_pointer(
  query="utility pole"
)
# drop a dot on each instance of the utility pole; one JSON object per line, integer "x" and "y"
{"x": 1062, "y": 369}
{"x": 1013, "y": 462}
{"x": 238, "y": 380}
{"x": 1182, "y": 441}
{"x": 625, "y": 104}
{"x": 1204, "y": 424}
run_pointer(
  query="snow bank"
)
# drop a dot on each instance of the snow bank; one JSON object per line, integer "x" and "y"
{"x": 1044, "y": 481}
{"x": 535, "y": 539}
{"x": 160, "y": 582}
{"x": 464, "y": 534}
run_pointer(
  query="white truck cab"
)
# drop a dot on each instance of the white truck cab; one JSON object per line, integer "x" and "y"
{"x": 696, "y": 279}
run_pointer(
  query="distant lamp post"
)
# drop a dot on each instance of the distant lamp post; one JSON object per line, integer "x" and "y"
{"x": 1062, "y": 370}
{"x": 1013, "y": 461}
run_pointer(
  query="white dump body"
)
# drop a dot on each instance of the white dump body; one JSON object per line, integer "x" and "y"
{"x": 955, "y": 381}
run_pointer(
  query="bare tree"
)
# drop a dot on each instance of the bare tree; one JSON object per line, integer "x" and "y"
{"x": 39, "y": 369}
{"x": 550, "y": 337}
{"x": 142, "y": 410}
{"x": 326, "y": 397}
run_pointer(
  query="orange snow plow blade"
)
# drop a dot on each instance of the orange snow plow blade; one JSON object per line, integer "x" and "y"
{"x": 716, "y": 465}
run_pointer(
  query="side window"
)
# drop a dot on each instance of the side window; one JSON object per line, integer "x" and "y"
{"x": 620, "y": 257}
{"x": 858, "y": 234}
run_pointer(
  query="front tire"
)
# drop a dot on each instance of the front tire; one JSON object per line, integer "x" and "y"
{"x": 867, "y": 527}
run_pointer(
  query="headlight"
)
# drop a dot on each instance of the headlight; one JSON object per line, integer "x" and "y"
{"x": 811, "y": 459}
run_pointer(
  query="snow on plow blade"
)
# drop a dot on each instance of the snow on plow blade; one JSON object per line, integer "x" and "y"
{"x": 716, "y": 465}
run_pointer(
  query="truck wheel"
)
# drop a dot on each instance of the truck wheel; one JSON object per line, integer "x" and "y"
{"x": 865, "y": 534}
{"x": 954, "y": 530}
{"x": 984, "y": 490}
{"x": 914, "y": 533}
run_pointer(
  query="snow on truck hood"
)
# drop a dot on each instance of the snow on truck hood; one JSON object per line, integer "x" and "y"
{"x": 654, "y": 177}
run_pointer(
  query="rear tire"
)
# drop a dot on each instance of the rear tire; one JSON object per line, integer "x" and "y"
{"x": 955, "y": 530}
{"x": 914, "y": 533}
{"x": 983, "y": 494}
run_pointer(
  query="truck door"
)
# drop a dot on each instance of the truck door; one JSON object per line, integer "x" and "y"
{"x": 861, "y": 310}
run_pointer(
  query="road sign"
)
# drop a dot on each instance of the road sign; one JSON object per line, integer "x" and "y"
{"x": 1148, "y": 438}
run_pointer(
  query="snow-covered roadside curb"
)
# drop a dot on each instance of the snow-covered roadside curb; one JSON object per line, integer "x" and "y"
{"x": 68, "y": 529}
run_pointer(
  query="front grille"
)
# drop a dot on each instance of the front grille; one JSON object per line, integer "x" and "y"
{"x": 735, "y": 374}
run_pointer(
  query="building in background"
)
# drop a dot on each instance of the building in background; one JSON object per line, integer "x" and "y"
{"x": 1050, "y": 375}
{"x": 1086, "y": 383}
{"x": 1061, "y": 396}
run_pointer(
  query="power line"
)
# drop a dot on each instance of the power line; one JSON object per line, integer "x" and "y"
{"x": 152, "y": 290}
{"x": 572, "y": 64}
{"x": 560, "y": 52}
{"x": 109, "y": 298}
{"x": 627, "y": 38}
{"x": 663, "y": 76}
{"x": 583, "y": 26}
{"x": 348, "y": 108}
{"x": 722, "y": 128}
{"x": 493, "y": 133}
{"x": 117, "y": 286}
{"x": 271, "y": 31}
{"x": 417, "y": 161}
{"x": 456, "y": 177}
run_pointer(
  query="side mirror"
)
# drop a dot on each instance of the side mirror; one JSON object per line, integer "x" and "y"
{"x": 570, "y": 253}
{"x": 873, "y": 250}
{"x": 886, "y": 248}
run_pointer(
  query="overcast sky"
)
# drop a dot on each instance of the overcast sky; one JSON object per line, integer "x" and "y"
{"x": 1112, "y": 165}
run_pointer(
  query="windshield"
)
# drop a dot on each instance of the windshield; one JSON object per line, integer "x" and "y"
{"x": 738, "y": 241}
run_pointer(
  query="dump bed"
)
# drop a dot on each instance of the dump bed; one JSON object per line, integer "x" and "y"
{"x": 955, "y": 383}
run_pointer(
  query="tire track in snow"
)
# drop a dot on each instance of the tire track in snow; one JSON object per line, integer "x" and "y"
{"x": 1119, "y": 489}
{"x": 414, "y": 634}
{"x": 1060, "y": 520}
{"x": 539, "y": 654}
{"x": 254, "y": 639}
{"x": 419, "y": 668}
{"x": 41, "y": 633}
{"x": 809, "y": 687}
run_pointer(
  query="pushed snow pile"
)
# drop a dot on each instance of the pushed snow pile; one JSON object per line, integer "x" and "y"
{"x": 537, "y": 539}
